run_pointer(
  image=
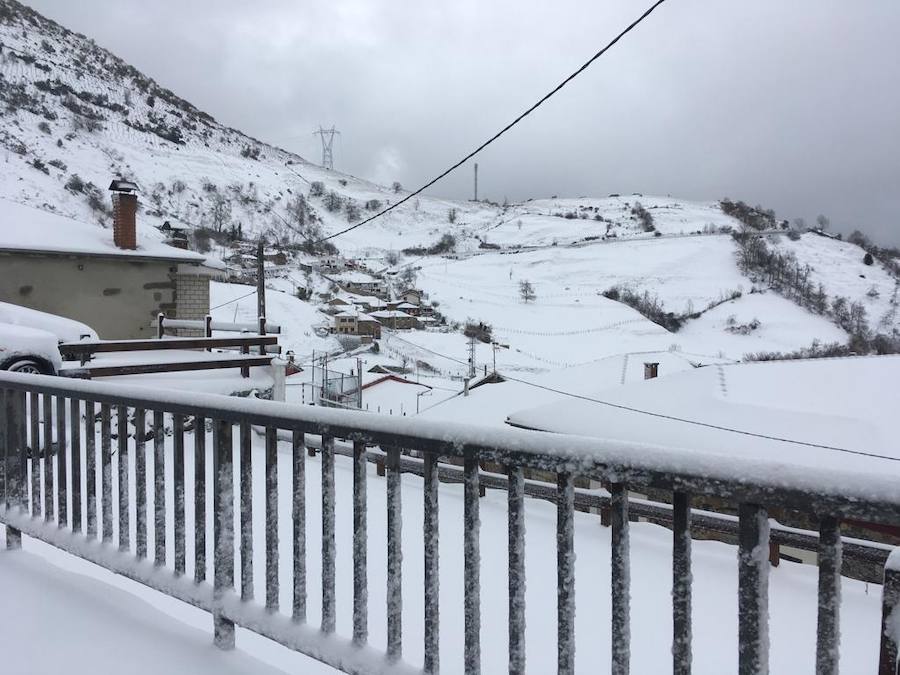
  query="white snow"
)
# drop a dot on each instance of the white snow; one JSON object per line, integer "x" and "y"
{"x": 22, "y": 341}
{"x": 57, "y": 621}
{"x": 845, "y": 403}
{"x": 25, "y": 228}
{"x": 66, "y": 330}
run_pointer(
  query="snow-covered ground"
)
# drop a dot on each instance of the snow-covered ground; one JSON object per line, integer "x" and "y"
{"x": 57, "y": 621}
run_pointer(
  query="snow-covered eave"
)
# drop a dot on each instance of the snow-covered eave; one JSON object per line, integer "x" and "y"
{"x": 136, "y": 255}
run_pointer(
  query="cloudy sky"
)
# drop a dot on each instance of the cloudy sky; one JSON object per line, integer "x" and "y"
{"x": 794, "y": 105}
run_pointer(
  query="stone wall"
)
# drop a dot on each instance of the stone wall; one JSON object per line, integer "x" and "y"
{"x": 117, "y": 296}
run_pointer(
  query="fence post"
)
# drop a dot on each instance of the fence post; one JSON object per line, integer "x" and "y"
{"x": 207, "y": 325}
{"x": 262, "y": 331}
{"x": 279, "y": 373}
{"x": 890, "y": 599}
{"x": 160, "y": 330}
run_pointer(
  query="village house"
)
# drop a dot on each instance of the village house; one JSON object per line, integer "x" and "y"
{"x": 362, "y": 284}
{"x": 331, "y": 264}
{"x": 413, "y": 296}
{"x": 348, "y": 322}
{"x": 115, "y": 281}
{"x": 395, "y": 319}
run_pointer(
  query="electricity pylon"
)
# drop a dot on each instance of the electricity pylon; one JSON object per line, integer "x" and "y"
{"x": 327, "y": 136}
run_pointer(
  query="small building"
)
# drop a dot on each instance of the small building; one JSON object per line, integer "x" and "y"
{"x": 409, "y": 308}
{"x": 396, "y": 319}
{"x": 115, "y": 281}
{"x": 331, "y": 264}
{"x": 413, "y": 296}
{"x": 349, "y": 322}
{"x": 361, "y": 284}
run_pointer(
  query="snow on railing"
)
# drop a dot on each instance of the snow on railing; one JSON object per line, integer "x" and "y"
{"x": 53, "y": 451}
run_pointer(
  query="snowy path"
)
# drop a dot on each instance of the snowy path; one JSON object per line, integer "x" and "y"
{"x": 57, "y": 621}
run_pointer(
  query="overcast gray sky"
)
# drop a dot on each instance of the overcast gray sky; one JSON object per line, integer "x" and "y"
{"x": 794, "y": 105}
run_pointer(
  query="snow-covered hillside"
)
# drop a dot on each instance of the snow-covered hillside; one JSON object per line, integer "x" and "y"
{"x": 75, "y": 116}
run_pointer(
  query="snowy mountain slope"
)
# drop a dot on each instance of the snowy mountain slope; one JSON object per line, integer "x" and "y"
{"x": 75, "y": 115}
{"x": 839, "y": 267}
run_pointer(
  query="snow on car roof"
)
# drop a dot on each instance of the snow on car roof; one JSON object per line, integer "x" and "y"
{"x": 25, "y": 228}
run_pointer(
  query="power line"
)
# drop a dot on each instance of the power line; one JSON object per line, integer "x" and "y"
{"x": 703, "y": 424}
{"x": 509, "y": 126}
{"x": 253, "y": 292}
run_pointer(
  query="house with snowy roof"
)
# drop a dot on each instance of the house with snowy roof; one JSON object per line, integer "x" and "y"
{"x": 116, "y": 281}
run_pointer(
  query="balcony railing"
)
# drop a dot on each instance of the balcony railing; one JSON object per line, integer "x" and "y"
{"x": 76, "y": 476}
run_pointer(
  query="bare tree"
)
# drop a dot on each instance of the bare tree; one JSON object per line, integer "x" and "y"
{"x": 220, "y": 213}
{"x": 452, "y": 215}
{"x": 526, "y": 291}
{"x": 823, "y": 222}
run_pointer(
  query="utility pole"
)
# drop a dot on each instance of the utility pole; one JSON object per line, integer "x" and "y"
{"x": 260, "y": 280}
{"x": 476, "y": 182}
{"x": 472, "y": 343}
{"x": 327, "y": 136}
{"x": 496, "y": 346}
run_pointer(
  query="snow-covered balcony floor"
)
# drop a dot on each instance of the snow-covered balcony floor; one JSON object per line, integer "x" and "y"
{"x": 59, "y": 621}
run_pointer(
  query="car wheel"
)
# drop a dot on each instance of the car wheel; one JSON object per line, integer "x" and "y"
{"x": 27, "y": 366}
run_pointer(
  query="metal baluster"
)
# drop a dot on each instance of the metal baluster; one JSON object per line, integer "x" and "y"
{"x": 90, "y": 466}
{"x": 140, "y": 482}
{"x": 35, "y": 448}
{"x": 753, "y": 590}
{"x": 272, "y": 519}
{"x": 471, "y": 567}
{"x": 681, "y": 583}
{"x": 516, "y": 552}
{"x": 106, "y": 473}
{"x": 122, "y": 464}
{"x": 178, "y": 477}
{"x": 16, "y": 469}
{"x": 565, "y": 573}
{"x": 5, "y": 449}
{"x": 621, "y": 601}
{"x": 360, "y": 539}
{"x": 62, "y": 487}
{"x": 298, "y": 514}
{"x": 223, "y": 530}
{"x": 246, "y": 485}
{"x": 328, "y": 550}
{"x": 48, "y": 457}
{"x": 159, "y": 489}
{"x": 199, "y": 499}
{"x": 890, "y": 600}
{"x": 431, "y": 533}
{"x": 394, "y": 558}
{"x": 22, "y": 444}
{"x": 75, "y": 433}
{"x": 829, "y": 633}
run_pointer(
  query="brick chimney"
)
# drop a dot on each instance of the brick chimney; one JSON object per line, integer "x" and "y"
{"x": 124, "y": 202}
{"x": 651, "y": 370}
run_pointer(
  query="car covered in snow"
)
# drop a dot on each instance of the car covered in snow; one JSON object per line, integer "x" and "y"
{"x": 29, "y": 339}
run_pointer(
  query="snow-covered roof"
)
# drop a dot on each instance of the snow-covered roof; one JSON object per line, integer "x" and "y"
{"x": 407, "y": 305}
{"x": 356, "y": 278}
{"x": 807, "y": 412}
{"x": 25, "y": 228}
{"x": 392, "y": 314}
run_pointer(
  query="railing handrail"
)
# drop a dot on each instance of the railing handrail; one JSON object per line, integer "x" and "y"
{"x": 104, "y": 346}
{"x": 870, "y": 496}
